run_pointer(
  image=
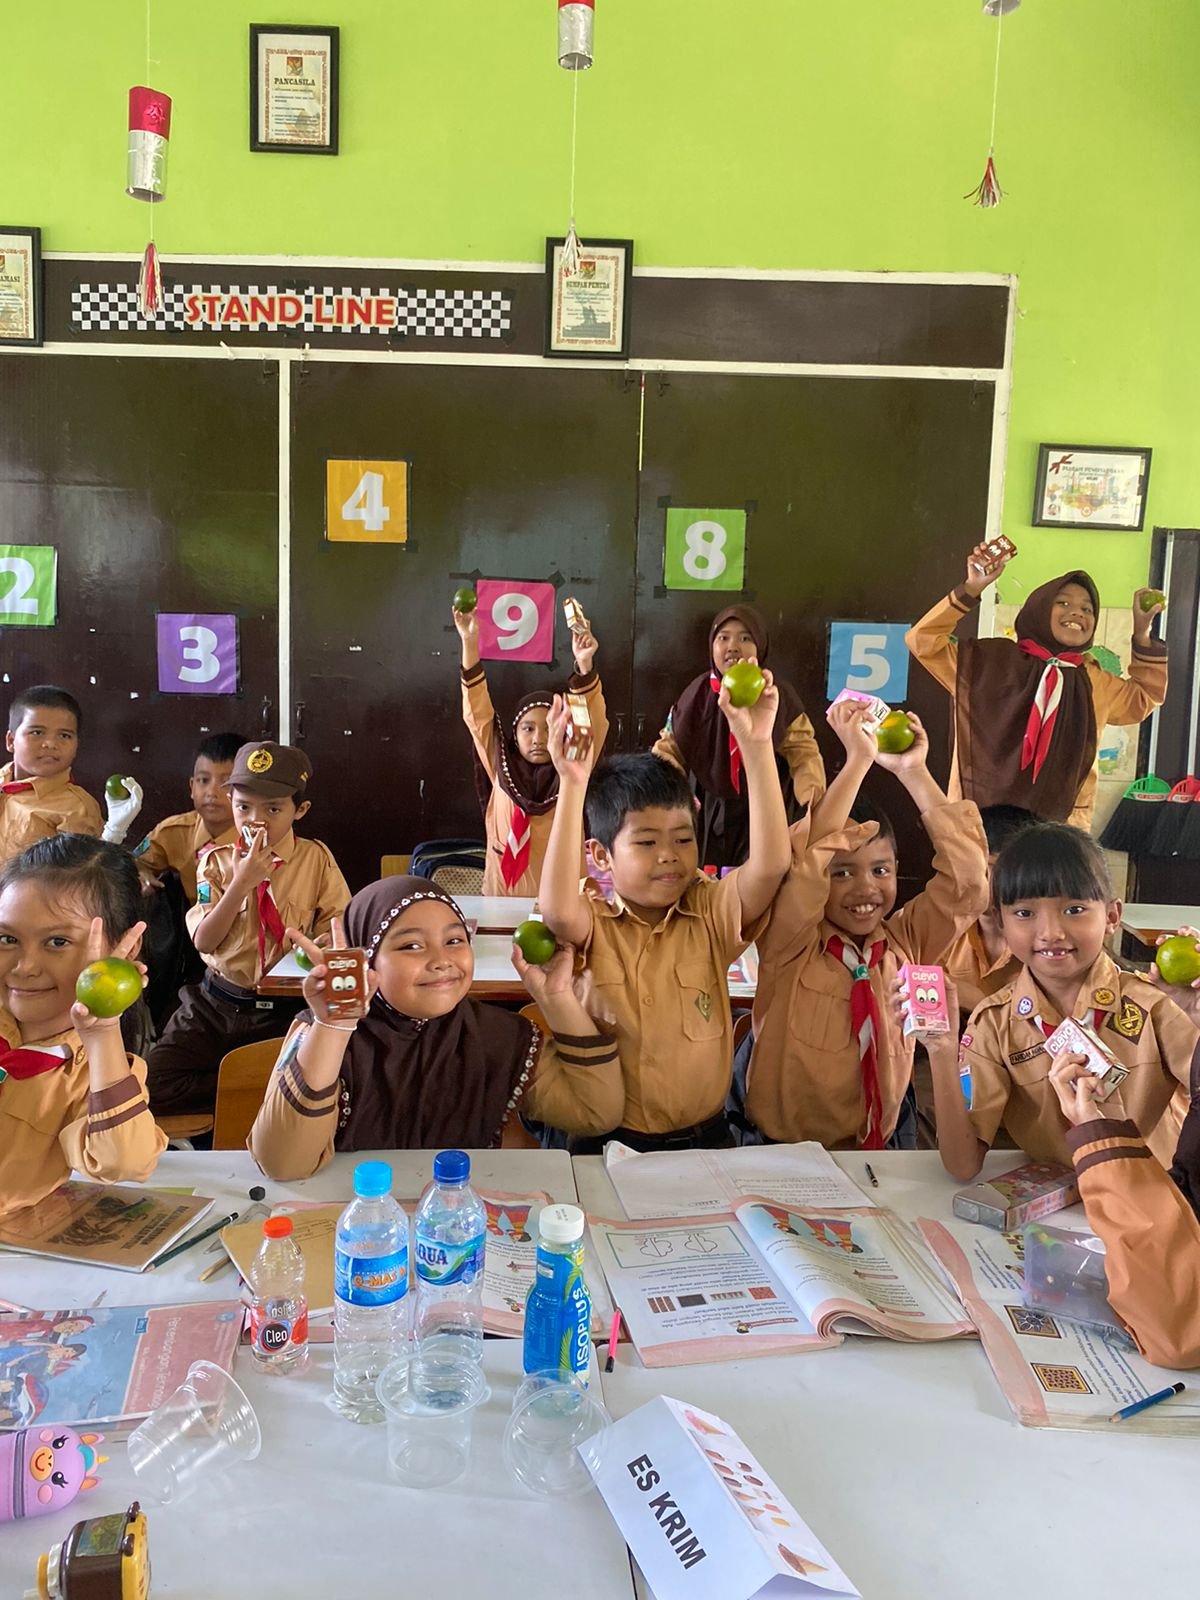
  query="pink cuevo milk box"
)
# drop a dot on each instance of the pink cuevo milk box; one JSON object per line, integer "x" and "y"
{"x": 879, "y": 708}
{"x": 924, "y": 999}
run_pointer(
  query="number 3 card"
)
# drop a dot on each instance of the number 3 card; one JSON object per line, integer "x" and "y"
{"x": 197, "y": 653}
{"x": 705, "y": 549}
{"x": 516, "y": 619}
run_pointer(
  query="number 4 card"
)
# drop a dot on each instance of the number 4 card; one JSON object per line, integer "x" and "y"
{"x": 366, "y": 502}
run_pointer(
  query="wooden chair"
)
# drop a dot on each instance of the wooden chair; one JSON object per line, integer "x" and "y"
{"x": 394, "y": 866}
{"x": 241, "y": 1084}
{"x": 182, "y": 1129}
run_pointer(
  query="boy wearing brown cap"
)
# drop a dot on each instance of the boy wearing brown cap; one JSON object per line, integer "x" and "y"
{"x": 247, "y": 894}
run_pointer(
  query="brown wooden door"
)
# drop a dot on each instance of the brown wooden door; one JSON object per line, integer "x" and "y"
{"x": 157, "y": 481}
{"x": 865, "y": 495}
{"x": 515, "y": 473}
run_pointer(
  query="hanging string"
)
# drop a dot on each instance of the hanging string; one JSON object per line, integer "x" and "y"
{"x": 570, "y": 254}
{"x": 988, "y": 193}
{"x": 149, "y": 284}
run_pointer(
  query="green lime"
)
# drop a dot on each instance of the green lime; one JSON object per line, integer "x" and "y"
{"x": 535, "y": 941}
{"x": 114, "y": 787}
{"x": 744, "y": 683}
{"x": 303, "y": 959}
{"x": 895, "y": 734}
{"x": 1152, "y": 598}
{"x": 1178, "y": 960}
{"x": 465, "y": 600}
{"x": 108, "y": 987}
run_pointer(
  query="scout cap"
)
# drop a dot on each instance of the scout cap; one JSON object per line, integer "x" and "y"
{"x": 271, "y": 769}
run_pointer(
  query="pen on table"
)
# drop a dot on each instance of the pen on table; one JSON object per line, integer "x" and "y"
{"x": 614, "y": 1334}
{"x": 871, "y": 1175}
{"x": 1150, "y": 1400}
{"x": 197, "y": 1238}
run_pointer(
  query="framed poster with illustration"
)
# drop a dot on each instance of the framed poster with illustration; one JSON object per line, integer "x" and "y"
{"x": 587, "y": 311}
{"x": 20, "y": 285}
{"x": 294, "y": 89}
{"x": 1091, "y": 486}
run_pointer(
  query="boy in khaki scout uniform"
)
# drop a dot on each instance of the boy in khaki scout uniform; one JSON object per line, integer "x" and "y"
{"x": 1057, "y": 908}
{"x": 178, "y": 842}
{"x": 37, "y": 797}
{"x": 829, "y": 1060}
{"x": 658, "y": 956}
{"x": 248, "y": 894}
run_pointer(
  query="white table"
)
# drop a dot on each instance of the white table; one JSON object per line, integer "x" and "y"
{"x": 907, "y": 1464}
{"x": 1147, "y": 922}
{"x": 495, "y": 913}
{"x": 316, "y": 1516}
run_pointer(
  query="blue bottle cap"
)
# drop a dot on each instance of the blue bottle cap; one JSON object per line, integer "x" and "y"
{"x": 372, "y": 1179}
{"x": 451, "y": 1166}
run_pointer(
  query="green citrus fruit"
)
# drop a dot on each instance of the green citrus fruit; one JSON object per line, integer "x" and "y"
{"x": 1155, "y": 597}
{"x": 108, "y": 987}
{"x": 535, "y": 941}
{"x": 895, "y": 734}
{"x": 115, "y": 789}
{"x": 745, "y": 683}
{"x": 465, "y": 600}
{"x": 303, "y": 959}
{"x": 1178, "y": 960}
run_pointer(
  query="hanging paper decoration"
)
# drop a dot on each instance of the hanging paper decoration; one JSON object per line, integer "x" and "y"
{"x": 146, "y": 179}
{"x": 575, "y": 18}
{"x": 988, "y": 192}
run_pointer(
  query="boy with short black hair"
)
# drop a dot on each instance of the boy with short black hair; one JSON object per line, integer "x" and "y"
{"x": 248, "y": 894}
{"x": 178, "y": 842}
{"x": 980, "y": 962}
{"x": 37, "y": 797}
{"x": 659, "y": 954}
{"x": 829, "y": 1060}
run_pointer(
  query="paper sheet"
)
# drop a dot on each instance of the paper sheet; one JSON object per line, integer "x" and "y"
{"x": 690, "y": 1183}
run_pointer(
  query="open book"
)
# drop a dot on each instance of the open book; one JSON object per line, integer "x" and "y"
{"x": 692, "y": 1183}
{"x": 772, "y": 1279}
{"x": 103, "y": 1224}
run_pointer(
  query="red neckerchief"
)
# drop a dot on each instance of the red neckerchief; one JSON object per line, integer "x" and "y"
{"x": 1049, "y": 1028}
{"x": 1043, "y": 713}
{"x": 16, "y": 788}
{"x": 514, "y": 863}
{"x": 26, "y": 1061}
{"x": 269, "y": 920}
{"x": 865, "y": 1022}
{"x": 735, "y": 755}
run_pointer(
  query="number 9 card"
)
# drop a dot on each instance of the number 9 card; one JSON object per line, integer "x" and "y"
{"x": 516, "y": 619}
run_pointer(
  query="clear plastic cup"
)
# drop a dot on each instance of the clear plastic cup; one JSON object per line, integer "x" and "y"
{"x": 430, "y": 1408}
{"x": 205, "y": 1427}
{"x": 556, "y": 1434}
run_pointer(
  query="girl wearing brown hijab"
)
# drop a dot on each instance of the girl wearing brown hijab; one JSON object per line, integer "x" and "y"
{"x": 697, "y": 740}
{"x": 427, "y": 1067}
{"x": 1028, "y": 713}
{"x": 516, "y": 778}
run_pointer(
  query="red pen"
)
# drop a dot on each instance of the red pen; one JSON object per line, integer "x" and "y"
{"x": 614, "y": 1334}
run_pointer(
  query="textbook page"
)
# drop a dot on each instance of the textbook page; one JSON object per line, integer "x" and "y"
{"x": 691, "y": 1183}
{"x": 863, "y": 1272}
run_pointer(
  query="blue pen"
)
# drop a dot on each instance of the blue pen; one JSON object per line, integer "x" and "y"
{"x": 1150, "y": 1400}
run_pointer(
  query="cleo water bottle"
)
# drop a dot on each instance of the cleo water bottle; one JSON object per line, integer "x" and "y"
{"x": 558, "y": 1310}
{"x": 278, "y": 1310}
{"x": 370, "y": 1283}
{"x": 449, "y": 1230}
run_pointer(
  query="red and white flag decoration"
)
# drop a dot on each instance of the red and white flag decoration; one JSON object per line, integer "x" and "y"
{"x": 987, "y": 192}
{"x": 146, "y": 178}
{"x": 575, "y": 19}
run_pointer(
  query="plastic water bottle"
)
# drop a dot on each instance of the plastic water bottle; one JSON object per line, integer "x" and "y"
{"x": 450, "y": 1229}
{"x": 558, "y": 1308}
{"x": 278, "y": 1311}
{"x": 370, "y": 1283}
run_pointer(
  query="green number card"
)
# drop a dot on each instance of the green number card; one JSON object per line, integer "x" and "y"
{"x": 28, "y": 585}
{"x": 705, "y": 549}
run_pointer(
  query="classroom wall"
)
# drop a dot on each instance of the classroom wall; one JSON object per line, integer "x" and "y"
{"x": 779, "y": 134}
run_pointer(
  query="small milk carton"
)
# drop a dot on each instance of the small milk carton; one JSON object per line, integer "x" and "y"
{"x": 1001, "y": 548}
{"x": 924, "y": 1000}
{"x": 346, "y": 984}
{"x": 879, "y": 708}
{"x": 1083, "y": 1039}
{"x": 579, "y": 729}
{"x": 573, "y": 612}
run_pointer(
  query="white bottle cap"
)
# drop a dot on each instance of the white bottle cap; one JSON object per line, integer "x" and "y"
{"x": 561, "y": 1224}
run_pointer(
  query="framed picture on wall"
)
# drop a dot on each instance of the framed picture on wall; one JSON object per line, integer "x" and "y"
{"x": 587, "y": 311}
{"x": 20, "y": 285}
{"x": 294, "y": 89}
{"x": 1091, "y": 486}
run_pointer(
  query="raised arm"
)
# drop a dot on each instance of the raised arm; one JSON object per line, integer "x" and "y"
{"x": 559, "y": 897}
{"x": 799, "y": 750}
{"x": 210, "y": 925}
{"x": 577, "y": 1084}
{"x": 930, "y": 639}
{"x": 770, "y": 853}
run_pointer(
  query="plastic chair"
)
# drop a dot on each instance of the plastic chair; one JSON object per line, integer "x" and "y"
{"x": 455, "y": 865}
{"x": 242, "y": 1080}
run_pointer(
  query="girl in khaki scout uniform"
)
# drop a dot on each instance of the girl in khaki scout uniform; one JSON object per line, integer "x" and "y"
{"x": 519, "y": 787}
{"x": 1028, "y": 713}
{"x": 1057, "y": 908}
{"x": 71, "y": 1099}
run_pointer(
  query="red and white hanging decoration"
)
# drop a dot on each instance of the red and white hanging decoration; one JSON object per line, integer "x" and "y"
{"x": 988, "y": 192}
{"x": 146, "y": 179}
{"x": 575, "y": 24}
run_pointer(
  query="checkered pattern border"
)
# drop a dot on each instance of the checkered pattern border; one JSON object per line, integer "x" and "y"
{"x": 420, "y": 313}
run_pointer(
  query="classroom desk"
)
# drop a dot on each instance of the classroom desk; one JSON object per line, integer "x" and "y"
{"x": 1148, "y": 922}
{"x": 495, "y": 913}
{"x": 906, "y": 1462}
{"x": 315, "y": 1517}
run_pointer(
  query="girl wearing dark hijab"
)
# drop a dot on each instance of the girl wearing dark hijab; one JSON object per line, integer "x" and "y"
{"x": 1028, "y": 713}
{"x": 697, "y": 739}
{"x": 428, "y": 1067}
{"x": 519, "y": 785}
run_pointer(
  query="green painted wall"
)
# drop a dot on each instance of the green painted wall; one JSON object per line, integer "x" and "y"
{"x": 834, "y": 134}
